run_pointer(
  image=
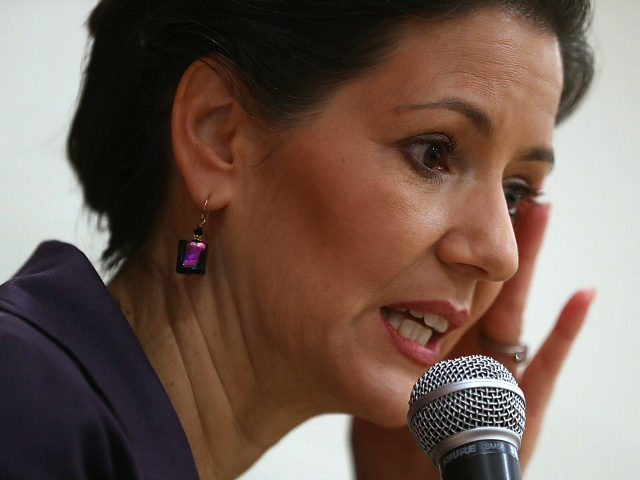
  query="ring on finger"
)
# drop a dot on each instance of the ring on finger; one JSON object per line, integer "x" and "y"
{"x": 517, "y": 351}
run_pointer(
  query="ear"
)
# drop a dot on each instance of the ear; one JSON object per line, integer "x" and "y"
{"x": 204, "y": 119}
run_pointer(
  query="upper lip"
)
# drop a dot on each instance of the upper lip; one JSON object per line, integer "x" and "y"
{"x": 443, "y": 308}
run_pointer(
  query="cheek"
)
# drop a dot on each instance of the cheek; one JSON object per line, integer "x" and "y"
{"x": 321, "y": 232}
{"x": 340, "y": 215}
{"x": 332, "y": 227}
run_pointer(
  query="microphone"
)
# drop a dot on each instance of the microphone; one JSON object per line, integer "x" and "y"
{"x": 468, "y": 415}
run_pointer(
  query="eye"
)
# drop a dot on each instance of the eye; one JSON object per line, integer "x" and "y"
{"x": 517, "y": 191}
{"x": 429, "y": 154}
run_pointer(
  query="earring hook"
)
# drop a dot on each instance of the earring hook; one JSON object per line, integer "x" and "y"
{"x": 204, "y": 214}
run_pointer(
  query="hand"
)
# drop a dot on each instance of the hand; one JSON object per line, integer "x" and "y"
{"x": 502, "y": 323}
{"x": 381, "y": 453}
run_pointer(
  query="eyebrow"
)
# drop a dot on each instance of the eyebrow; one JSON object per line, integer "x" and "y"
{"x": 481, "y": 122}
{"x": 477, "y": 117}
{"x": 541, "y": 154}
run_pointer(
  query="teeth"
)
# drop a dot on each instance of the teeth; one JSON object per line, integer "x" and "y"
{"x": 395, "y": 318}
{"x": 439, "y": 324}
{"x": 407, "y": 328}
{"x": 424, "y": 337}
{"x": 413, "y": 331}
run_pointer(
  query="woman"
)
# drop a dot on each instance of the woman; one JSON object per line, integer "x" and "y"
{"x": 364, "y": 174}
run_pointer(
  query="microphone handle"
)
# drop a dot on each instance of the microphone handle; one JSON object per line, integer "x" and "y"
{"x": 481, "y": 460}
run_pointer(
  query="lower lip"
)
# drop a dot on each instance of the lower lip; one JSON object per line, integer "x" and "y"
{"x": 425, "y": 356}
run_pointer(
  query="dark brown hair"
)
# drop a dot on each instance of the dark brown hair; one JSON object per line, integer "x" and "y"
{"x": 288, "y": 55}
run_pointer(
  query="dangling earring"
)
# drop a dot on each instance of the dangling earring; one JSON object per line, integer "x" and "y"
{"x": 192, "y": 254}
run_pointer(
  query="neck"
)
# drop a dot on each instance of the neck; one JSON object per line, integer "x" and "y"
{"x": 189, "y": 329}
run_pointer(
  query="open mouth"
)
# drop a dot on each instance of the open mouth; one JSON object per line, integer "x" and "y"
{"x": 419, "y": 327}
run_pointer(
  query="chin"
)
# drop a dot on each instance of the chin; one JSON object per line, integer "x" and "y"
{"x": 384, "y": 401}
{"x": 390, "y": 412}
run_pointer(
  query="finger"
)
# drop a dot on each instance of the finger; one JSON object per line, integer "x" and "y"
{"x": 539, "y": 377}
{"x": 529, "y": 230}
{"x": 384, "y": 453}
{"x": 503, "y": 321}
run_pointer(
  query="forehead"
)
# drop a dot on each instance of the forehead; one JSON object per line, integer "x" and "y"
{"x": 491, "y": 56}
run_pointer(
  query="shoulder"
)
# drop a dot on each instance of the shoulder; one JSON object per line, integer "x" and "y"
{"x": 54, "y": 423}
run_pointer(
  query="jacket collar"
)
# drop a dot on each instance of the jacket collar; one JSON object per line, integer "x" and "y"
{"x": 59, "y": 292}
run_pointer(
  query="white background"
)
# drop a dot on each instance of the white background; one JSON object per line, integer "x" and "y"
{"x": 593, "y": 239}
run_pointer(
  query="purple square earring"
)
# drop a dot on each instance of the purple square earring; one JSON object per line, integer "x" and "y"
{"x": 192, "y": 254}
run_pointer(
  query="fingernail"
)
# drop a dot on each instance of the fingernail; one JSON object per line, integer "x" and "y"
{"x": 590, "y": 292}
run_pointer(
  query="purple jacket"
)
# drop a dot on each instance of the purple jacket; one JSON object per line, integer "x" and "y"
{"x": 78, "y": 397}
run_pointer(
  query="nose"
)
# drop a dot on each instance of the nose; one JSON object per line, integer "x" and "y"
{"x": 480, "y": 240}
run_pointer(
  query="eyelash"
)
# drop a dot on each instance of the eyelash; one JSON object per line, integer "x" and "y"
{"x": 442, "y": 145}
{"x": 522, "y": 193}
{"x": 517, "y": 192}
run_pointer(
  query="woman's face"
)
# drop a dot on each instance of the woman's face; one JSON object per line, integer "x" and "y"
{"x": 398, "y": 194}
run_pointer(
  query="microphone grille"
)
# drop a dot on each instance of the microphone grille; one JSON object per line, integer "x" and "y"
{"x": 461, "y": 407}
